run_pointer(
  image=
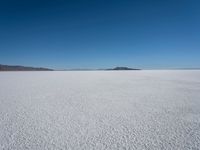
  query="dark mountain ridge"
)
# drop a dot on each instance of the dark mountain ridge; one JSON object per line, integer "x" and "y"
{"x": 22, "y": 68}
{"x": 123, "y": 68}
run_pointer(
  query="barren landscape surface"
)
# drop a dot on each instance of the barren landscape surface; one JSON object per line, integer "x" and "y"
{"x": 155, "y": 110}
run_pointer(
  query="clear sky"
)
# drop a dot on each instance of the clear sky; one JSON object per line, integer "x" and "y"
{"x": 100, "y": 33}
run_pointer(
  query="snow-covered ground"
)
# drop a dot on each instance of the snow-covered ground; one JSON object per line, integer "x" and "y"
{"x": 100, "y": 110}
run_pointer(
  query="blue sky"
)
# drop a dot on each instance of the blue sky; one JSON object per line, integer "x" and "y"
{"x": 100, "y": 33}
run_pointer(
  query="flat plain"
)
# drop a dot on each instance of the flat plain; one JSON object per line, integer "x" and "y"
{"x": 149, "y": 109}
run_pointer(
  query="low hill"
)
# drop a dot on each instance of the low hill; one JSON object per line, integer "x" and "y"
{"x": 123, "y": 68}
{"x": 22, "y": 68}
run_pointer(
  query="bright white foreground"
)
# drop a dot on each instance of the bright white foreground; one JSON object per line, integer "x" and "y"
{"x": 100, "y": 110}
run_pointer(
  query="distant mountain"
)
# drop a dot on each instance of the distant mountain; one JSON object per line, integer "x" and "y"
{"x": 116, "y": 68}
{"x": 22, "y": 68}
{"x": 123, "y": 68}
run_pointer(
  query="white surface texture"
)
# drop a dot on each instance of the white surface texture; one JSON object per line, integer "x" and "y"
{"x": 155, "y": 110}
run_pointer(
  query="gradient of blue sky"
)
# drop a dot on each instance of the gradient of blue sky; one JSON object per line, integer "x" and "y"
{"x": 100, "y": 33}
